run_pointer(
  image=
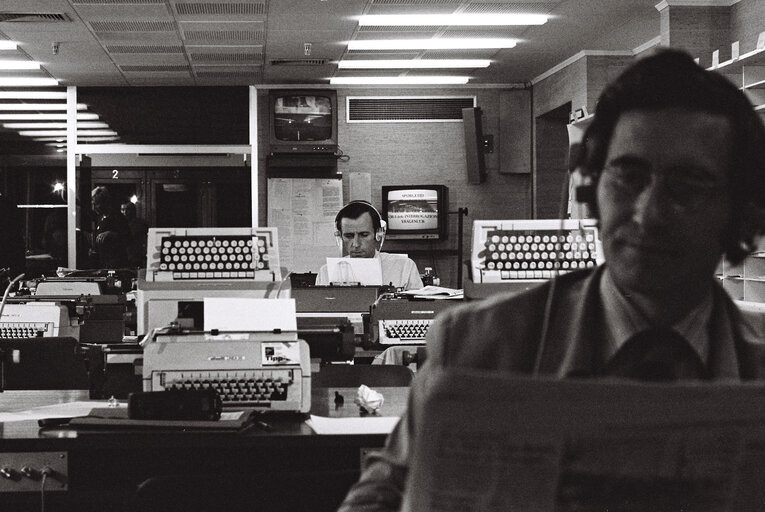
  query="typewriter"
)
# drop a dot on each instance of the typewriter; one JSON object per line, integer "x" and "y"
{"x": 396, "y": 320}
{"x": 266, "y": 368}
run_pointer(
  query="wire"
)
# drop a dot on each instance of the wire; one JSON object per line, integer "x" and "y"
{"x": 7, "y": 291}
{"x": 42, "y": 490}
{"x": 279, "y": 288}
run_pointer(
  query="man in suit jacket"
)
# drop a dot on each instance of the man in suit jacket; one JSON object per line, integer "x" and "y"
{"x": 675, "y": 166}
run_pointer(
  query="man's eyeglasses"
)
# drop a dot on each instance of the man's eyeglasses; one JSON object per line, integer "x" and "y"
{"x": 685, "y": 189}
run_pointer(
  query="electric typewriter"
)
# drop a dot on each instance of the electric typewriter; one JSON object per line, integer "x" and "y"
{"x": 397, "y": 320}
{"x": 271, "y": 371}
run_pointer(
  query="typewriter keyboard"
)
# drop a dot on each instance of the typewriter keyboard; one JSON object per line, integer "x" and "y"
{"x": 537, "y": 254}
{"x": 214, "y": 257}
{"x": 22, "y": 329}
{"x": 241, "y": 388}
{"x": 403, "y": 332}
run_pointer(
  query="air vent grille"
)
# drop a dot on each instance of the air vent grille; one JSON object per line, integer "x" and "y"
{"x": 118, "y": 2}
{"x": 116, "y": 48}
{"x": 31, "y": 17}
{"x": 218, "y": 9}
{"x": 251, "y": 36}
{"x": 416, "y": 2}
{"x": 149, "y": 68}
{"x": 298, "y": 62}
{"x": 133, "y": 26}
{"x": 409, "y": 29}
{"x": 226, "y": 57}
{"x": 228, "y": 74}
{"x": 509, "y": 8}
{"x": 408, "y": 109}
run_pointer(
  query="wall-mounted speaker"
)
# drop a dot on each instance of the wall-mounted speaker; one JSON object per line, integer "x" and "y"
{"x": 476, "y": 168}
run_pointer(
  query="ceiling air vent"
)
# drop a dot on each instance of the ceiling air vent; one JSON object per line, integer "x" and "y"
{"x": 33, "y": 17}
{"x": 298, "y": 62}
{"x": 219, "y": 9}
{"x": 377, "y": 109}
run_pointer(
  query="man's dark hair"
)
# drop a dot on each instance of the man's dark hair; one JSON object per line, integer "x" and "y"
{"x": 672, "y": 79}
{"x": 356, "y": 209}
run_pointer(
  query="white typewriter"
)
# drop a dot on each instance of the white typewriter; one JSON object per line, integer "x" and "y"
{"x": 38, "y": 319}
{"x": 263, "y": 368}
{"x": 186, "y": 265}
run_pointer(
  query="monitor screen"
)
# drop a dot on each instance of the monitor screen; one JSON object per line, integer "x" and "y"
{"x": 415, "y": 211}
{"x": 299, "y": 118}
{"x": 303, "y": 121}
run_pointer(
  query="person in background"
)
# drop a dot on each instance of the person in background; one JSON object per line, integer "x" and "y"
{"x": 360, "y": 232}
{"x": 675, "y": 159}
{"x": 139, "y": 230}
{"x": 112, "y": 236}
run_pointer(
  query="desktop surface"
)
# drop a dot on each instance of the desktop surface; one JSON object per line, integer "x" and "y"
{"x": 106, "y": 466}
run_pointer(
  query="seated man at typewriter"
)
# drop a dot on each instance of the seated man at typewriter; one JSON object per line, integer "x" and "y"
{"x": 360, "y": 232}
{"x": 676, "y": 168}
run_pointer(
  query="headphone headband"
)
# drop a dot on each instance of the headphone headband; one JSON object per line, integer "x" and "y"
{"x": 368, "y": 208}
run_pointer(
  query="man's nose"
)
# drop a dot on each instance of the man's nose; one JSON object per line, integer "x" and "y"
{"x": 654, "y": 204}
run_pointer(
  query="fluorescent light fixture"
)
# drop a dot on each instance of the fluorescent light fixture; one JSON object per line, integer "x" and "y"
{"x": 79, "y": 138}
{"x": 37, "y": 106}
{"x": 53, "y": 125}
{"x": 32, "y": 95}
{"x": 98, "y": 139}
{"x": 414, "y": 64}
{"x": 7, "y": 65}
{"x": 62, "y": 133}
{"x": 431, "y": 44}
{"x": 420, "y": 20}
{"x": 398, "y": 80}
{"x": 20, "y": 81}
{"x": 81, "y": 116}
{"x": 8, "y": 45}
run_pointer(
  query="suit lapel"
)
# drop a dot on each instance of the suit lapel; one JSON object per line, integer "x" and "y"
{"x": 572, "y": 348}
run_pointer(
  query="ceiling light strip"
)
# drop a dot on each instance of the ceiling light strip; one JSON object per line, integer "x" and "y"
{"x": 32, "y": 95}
{"x": 19, "y": 81}
{"x": 431, "y": 44}
{"x": 17, "y": 107}
{"x": 399, "y": 80}
{"x": 53, "y": 125}
{"x": 461, "y": 19}
{"x": 62, "y": 133}
{"x": 14, "y": 65}
{"x": 81, "y": 116}
{"x": 414, "y": 64}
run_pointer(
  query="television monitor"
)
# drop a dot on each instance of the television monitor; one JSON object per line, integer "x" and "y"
{"x": 415, "y": 212}
{"x": 303, "y": 121}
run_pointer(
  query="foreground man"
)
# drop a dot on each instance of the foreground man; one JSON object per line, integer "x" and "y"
{"x": 675, "y": 157}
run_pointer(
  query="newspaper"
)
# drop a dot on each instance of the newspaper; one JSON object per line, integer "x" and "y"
{"x": 500, "y": 443}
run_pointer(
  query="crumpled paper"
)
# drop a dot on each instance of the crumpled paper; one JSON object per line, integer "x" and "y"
{"x": 369, "y": 399}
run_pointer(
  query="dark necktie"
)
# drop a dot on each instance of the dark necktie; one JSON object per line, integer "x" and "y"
{"x": 657, "y": 354}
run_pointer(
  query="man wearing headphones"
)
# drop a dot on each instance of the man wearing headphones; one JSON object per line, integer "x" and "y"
{"x": 675, "y": 156}
{"x": 360, "y": 232}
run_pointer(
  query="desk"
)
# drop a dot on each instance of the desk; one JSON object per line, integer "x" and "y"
{"x": 105, "y": 467}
